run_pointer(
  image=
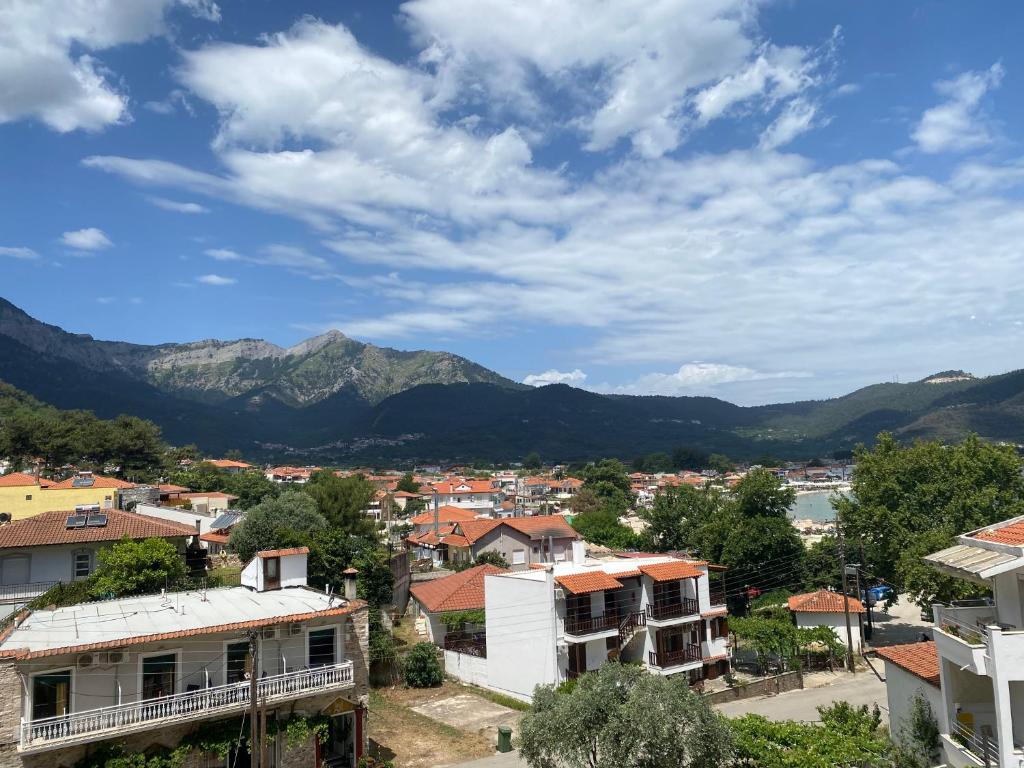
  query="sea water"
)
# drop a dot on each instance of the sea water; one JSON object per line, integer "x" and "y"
{"x": 814, "y": 505}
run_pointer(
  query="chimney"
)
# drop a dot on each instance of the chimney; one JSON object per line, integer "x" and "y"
{"x": 350, "y": 583}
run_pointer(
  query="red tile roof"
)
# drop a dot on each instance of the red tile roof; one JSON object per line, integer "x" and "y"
{"x": 459, "y": 592}
{"x": 823, "y": 601}
{"x": 473, "y": 530}
{"x": 215, "y": 538}
{"x": 920, "y": 659}
{"x": 283, "y": 552}
{"x": 229, "y": 464}
{"x": 1009, "y": 534}
{"x": 51, "y": 528}
{"x": 585, "y": 583}
{"x": 679, "y": 569}
{"x": 169, "y": 488}
{"x": 17, "y": 479}
{"x": 98, "y": 481}
{"x": 720, "y": 611}
{"x": 445, "y": 514}
{"x": 542, "y": 526}
{"x": 208, "y": 495}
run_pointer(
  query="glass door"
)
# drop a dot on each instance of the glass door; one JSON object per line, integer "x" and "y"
{"x": 51, "y": 695}
{"x": 159, "y": 675}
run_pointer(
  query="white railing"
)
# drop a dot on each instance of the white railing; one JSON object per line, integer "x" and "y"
{"x": 969, "y": 623}
{"x": 985, "y": 748}
{"x": 192, "y": 705}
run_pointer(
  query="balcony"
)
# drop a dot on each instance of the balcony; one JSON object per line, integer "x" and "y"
{"x": 593, "y": 626}
{"x": 669, "y": 659}
{"x": 683, "y": 608}
{"x": 109, "y": 722}
{"x": 716, "y": 596}
{"x": 21, "y": 593}
{"x": 961, "y": 634}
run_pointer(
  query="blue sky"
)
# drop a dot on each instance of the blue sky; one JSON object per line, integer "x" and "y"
{"x": 760, "y": 201}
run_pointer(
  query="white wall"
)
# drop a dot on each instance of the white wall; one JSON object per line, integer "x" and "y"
{"x": 55, "y": 563}
{"x": 521, "y": 633}
{"x": 176, "y": 516}
{"x": 293, "y": 571}
{"x": 900, "y": 688}
{"x": 837, "y": 621}
{"x": 468, "y": 669}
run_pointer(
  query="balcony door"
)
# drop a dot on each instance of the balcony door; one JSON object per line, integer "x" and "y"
{"x": 239, "y": 662}
{"x": 51, "y": 695}
{"x": 667, "y": 595}
{"x": 322, "y": 648}
{"x": 578, "y": 608}
{"x": 271, "y": 573}
{"x": 577, "y": 659}
{"x": 159, "y": 675}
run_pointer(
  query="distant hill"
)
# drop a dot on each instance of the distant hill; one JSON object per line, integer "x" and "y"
{"x": 334, "y": 399}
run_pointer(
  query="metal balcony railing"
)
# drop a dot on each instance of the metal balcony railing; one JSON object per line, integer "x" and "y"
{"x": 686, "y": 606}
{"x": 666, "y": 659}
{"x": 574, "y": 626}
{"x": 14, "y": 593}
{"x": 106, "y": 722}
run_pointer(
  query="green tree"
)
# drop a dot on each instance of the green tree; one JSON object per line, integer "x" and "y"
{"x": 422, "y": 668}
{"x": 676, "y": 514}
{"x": 908, "y": 501}
{"x": 653, "y": 463}
{"x": 275, "y": 523}
{"x": 408, "y": 484}
{"x": 132, "y": 567}
{"x": 603, "y": 527}
{"x": 134, "y": 444}
{"x": 720, "y": 463}
{"x": 250, "y": 487}
{"x": 532, "y": 461}
{"x": 491, "y": 557}
{"x": 761, "y": 494}
{"x": 688, "y": 458}
{"x": 622, "y": 717}
{"x": 609, "y": 480}
{"x": 822, "y": 564}
{"x": 343, "y": 500}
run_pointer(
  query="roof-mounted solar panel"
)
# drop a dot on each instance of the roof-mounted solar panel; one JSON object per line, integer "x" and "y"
{"x": 96, "y": 521}
{"x": 76, "y": 521}
{"x": 83, "y": 482}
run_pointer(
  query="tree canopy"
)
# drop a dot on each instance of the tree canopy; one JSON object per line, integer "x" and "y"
{"x": 250, "y": 487}
{"x": 909, "y": 501}
{"x": 136, "y": 568}
{"x": 622, "y": 717}
{"x": 276, "y": 522}
{"x": 609, "y": 481}
{"x": 343, "y": 501}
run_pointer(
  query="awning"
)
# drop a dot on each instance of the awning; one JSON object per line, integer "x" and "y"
{"x": 973, "y": 563}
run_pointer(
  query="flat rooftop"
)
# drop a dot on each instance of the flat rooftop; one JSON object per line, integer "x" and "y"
{"x": 592, "y": 565}
{"x": 111, "y": 623}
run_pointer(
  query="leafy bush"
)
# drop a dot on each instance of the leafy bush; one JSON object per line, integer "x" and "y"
{"x": 422, "y": 668}
{"x": 137, "y": 568}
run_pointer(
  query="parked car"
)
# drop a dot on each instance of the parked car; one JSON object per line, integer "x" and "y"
{"x": 876, "y": 594}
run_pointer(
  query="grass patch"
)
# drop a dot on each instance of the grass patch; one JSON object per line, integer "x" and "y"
{"x": 499, "y": 698}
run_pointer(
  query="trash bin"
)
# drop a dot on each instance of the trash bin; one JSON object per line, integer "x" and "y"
{"x": 504, "y": 738}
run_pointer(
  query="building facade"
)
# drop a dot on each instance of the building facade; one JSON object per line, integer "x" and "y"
{"x": 146, "y": 671}
{"x": 23, "y": 495}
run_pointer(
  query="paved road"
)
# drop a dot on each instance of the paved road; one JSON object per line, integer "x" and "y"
{"x": 862, "y": 688}
{"x": 498, "y": 760}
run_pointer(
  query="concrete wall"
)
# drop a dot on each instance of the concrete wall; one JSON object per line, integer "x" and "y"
{"x": 837, "y": 621}
{"x": 901, "y": 687}
{"x": 788, "y": 681}
{"x": 56, "y": 563}
{"x": 507, "y": 541}
{"x": 293, "y": 571}
{"x": 185, "y": 517}
{"x": 28, "y": 500}
{"x": 1006, "y": 591}
{"x": 468, "y": 669}
{"x": 521, "y": 633}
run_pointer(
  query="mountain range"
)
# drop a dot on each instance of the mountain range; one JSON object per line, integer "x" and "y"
{"x": 334, "y": 399}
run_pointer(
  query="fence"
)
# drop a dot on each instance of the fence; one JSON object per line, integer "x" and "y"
{"x": 468, "y": 669}
{"x": 787, "y": 681}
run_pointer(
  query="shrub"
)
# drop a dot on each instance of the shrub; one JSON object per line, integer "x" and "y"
{"x": 422, "y": 669}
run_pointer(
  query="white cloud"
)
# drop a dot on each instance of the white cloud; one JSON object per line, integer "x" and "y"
{"x": 223, "y": 254}
{"x": 291, "y": 257}
{"x": 575, "y": 378}
{"x": 959, "y": 123}
{"x": 47, "y": 68}
{"x": 88, "y": 239}
{"x": 696, "y": 378}
{"x": 216, "y": 280}
{"x": 796, "y": 118}
{"x": 18, "y": 252}
{"x": 641, "y": 70}
{"x": 178, "y": 207}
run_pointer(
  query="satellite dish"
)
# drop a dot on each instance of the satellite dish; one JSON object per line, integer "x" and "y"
{"x": 5, "y": 517}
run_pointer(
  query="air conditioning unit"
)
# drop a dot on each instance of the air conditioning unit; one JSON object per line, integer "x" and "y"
{"x": 559, "y": 593}
{"x": 268, "y": 633}
{"x": 117, "y": 657}
{"x": 87, "y": 661}
{"x": 294, "y": 629}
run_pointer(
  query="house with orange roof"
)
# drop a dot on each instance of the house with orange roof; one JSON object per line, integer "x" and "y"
{"x": 556, "y": 621}
{"x": 142, "y": 672}
{"x": 230, "y": 466}
{"x": 23, "y": 495}
{"x": 293, "y": 475}
{"x": 825, "y": 608}
{"x": 979, "y": 645}
{"x": 483, "y": 496}
{"x": 911, "y": 671}
{"x": 463, "y": 591}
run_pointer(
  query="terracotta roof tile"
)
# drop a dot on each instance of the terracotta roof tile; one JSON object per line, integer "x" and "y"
{"x": 445, "y": 514}
{"x": 920, "y": 659}
{"x": 215, "y": 538}
{"x": 459, "y": 592}
{"x": 283, "y": 552}
{"x": 823, "y": 601}
{"x": 229, "y": 464}
{"x": 1012, "y": 534}
{"x": 51, "y": 528}
{"x": 679, "y": 569}
{"x": 722, "y": 611}
{"x": 584, "y": 583}
{"x": 542, "y": 526}
{"x": 473, "y": 530}
{"x": 17, "y": 480}
{"x": 98, "y": 481}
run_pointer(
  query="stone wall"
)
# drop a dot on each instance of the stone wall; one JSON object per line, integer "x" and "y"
{"x": 788, "y": 681}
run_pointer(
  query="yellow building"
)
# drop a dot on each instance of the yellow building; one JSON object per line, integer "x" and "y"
{"x": 24, "y": 495}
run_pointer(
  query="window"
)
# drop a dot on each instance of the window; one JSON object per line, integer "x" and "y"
{"x": 82, "y": 565}
{"x": 28, "y": 497}
{"x": 321, "y": 647}
{"x": 518, "y": 556}
{"x": 158, "y": 675}
{"x": 51, "y": 694}
{"x": 239, "y": 662}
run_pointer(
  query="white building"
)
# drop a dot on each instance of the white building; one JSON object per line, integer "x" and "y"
{"x": 482, "y": 496}
{"x": 911, "y": 670}
{"x": 980, "y": 647}
{"x": 38, "y": 552}
{"x": 825, "y": 608}
{"x": 146, "y": 671}
{"x": 554, "y": 622}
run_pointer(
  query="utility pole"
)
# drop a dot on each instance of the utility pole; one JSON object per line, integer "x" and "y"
{"x": 846, "y": 598}
{"x": 254, "y": 653}
{"x": 867, "y": 598}
{"x": 263, "y": 733}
